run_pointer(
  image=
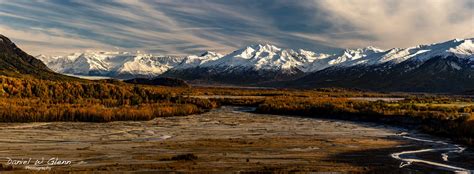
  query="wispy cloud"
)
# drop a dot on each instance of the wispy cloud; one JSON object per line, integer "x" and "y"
{"x": 192, "y": 26}
{"x": 394, "y": 23}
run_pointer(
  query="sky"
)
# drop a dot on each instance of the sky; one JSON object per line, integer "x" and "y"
{"x": 179, "y": 27}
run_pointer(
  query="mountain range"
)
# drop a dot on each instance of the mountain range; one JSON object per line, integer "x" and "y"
{"x": 438, "y": 67}
{"x": 123, "y": 65}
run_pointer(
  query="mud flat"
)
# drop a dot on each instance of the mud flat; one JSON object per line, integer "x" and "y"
{"x": 228, "y": 139}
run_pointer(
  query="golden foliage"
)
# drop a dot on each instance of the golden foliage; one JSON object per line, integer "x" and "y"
{"x": 34, "y": 100}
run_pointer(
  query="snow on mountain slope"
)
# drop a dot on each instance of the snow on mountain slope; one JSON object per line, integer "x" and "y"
{"x": 82, "y": 63}
{"x": 347, "y": 58}
{"x": 53, "y": 63}
{"x": 110, "y": 63}
{"x": 461, "y": 48}
{"x": 148, "y": 65}
{"x": 193, "y": 61}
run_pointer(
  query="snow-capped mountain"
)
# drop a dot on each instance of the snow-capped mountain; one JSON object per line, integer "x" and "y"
{"x": 113, "y": 64}
{"x": 266, "y": 63}
{"x": 254, "y": 63}
{"x": 440, "y": 67}
{"x": 261, "y": 57}
{"x": 462, "y": 48}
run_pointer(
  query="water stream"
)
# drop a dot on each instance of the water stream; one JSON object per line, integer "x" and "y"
{"x": 441, "y": 147}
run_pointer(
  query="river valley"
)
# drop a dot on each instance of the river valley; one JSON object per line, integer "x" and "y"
{"x": 228, "y": 139}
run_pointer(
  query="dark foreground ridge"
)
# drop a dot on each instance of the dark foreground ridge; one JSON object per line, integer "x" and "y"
{"x": 16, "y": 62}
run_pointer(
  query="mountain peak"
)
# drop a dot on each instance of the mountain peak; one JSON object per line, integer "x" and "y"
{"x": 465, "y": 49}
{"x": 366, "y": 50}
{"x": 265, "y": 47}
{"x": 462, "y": 40}
{"x": 209, "y": 53}
{"x": 255, "y": 50}
{"x": 374, "y": 49}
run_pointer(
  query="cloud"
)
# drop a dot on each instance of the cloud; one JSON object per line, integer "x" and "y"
{"x": 192, "y": 26}
{"x": 394, "y": 23}
{"x": 42, "y": 41}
